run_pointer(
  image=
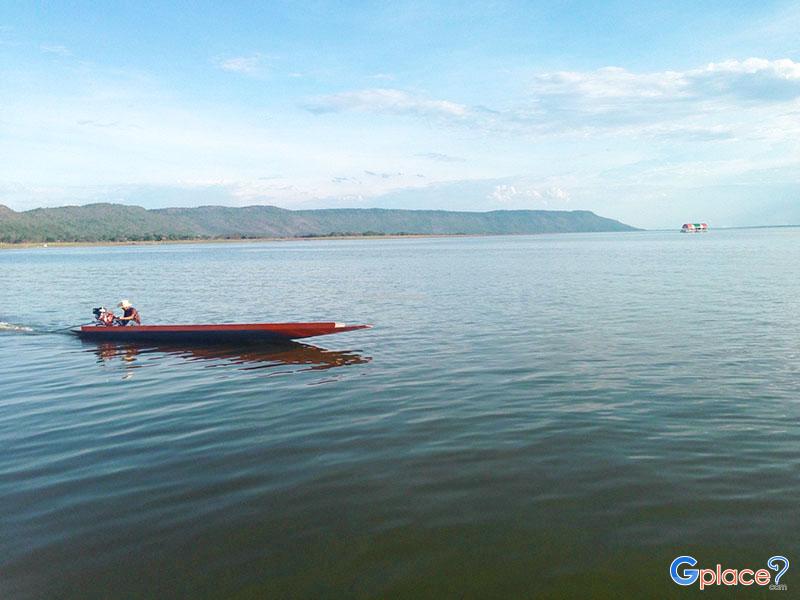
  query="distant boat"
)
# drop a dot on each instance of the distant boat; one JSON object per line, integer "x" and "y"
{"x": 694, "y": 227}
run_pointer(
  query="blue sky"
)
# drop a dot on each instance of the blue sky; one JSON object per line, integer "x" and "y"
{"x": 652, "y": 113}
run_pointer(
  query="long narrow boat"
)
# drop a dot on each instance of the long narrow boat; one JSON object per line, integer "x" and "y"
{"x": 235, "y": 333}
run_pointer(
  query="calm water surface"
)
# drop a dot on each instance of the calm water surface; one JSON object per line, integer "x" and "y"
{"x": 544, "y": 416}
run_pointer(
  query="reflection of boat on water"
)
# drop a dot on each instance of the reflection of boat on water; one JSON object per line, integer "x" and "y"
{"x": 246, "y": 357}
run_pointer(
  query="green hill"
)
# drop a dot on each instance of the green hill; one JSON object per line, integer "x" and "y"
{"x": 116, "y": 222}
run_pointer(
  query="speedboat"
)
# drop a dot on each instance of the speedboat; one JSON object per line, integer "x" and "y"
{"x": 234, "y": 333}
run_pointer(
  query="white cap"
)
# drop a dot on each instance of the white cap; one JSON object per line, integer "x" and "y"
{"x": 124, "y": 304}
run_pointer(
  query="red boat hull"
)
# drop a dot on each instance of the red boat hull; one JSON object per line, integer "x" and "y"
{"x": 237, "y": 333}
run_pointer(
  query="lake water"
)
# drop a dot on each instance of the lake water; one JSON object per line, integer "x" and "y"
{"x": 547, "y": 416}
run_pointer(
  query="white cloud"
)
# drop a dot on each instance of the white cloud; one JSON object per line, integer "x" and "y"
{"x": 557, "y": 193}
{"x": 768, "y": 80}
{"x": 784, "y": 68}
{"x": 607, "y": 83}
{"x": 386, "y": 101}
{"x": 55, "y": 49}
{"x": 246, "y": 65}
{"x": 95, "y": 123}
{"x": 752, "y": 79}
{"x": 692, "y": 133}
{"x": 506, "y": 193}
{"x": 720, "y": 101}
{"x": 382, "y": 175}
{"x": 440, "y": 157}
{"x": 707, "y": 104}
{"x": 513, "y": 194}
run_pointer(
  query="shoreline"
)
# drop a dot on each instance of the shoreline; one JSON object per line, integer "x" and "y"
{"x": 99, "y": 244}
{"x": 314, "y": 238}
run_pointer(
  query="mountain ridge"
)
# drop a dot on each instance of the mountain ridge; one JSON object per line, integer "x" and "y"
{"x": 101, "y": 222}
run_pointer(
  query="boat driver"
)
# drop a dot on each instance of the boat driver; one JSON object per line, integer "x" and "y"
{"x": 129, "y": 314}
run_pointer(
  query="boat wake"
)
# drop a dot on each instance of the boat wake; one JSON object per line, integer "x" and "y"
{"x": 11, "y": 327}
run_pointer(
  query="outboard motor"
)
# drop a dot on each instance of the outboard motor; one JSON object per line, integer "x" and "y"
{"x": 103, "y": 316}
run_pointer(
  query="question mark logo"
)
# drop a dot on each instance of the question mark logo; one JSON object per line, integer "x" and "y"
{"x": 774, "y": 562}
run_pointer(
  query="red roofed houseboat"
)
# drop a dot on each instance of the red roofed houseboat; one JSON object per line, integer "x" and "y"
{"x": 694, "y": 227}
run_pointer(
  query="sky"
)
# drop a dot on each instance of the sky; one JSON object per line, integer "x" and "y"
{"x": 653, "y": 113}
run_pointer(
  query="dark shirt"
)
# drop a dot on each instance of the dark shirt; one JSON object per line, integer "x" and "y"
{"x": 131, "y": 314}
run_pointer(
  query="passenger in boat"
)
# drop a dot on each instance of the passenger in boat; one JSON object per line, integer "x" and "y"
{"x": 129, "y": 314}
